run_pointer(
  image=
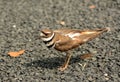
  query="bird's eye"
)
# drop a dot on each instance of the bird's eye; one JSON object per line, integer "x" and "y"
{"x": 46, "y": 32}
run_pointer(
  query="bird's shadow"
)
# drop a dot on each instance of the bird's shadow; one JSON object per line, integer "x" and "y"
{"x": 51, "y": 63}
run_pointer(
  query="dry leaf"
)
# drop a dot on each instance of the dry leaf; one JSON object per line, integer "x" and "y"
{"x": 61, "y": 22}
{"x": 92, "y": 6}
{"x": 86, "y": 56}
{"x": 16, "y": 54}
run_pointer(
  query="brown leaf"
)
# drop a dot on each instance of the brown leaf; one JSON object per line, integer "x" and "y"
{"x": 86, "y": 56}
{"x": 92, "y": 6}
{"x": 16, "y": 54}
{"x": 61, "y": 22}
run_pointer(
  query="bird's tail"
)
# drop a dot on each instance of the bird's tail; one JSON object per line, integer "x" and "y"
{"x": 91, "y": 34}
{"x": 103, "y": 30}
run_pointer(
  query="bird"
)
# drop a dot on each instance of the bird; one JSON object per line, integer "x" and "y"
{"x": 66, "y": 39}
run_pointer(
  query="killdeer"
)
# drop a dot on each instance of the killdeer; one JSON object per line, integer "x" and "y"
{"x": 66, "y": 39}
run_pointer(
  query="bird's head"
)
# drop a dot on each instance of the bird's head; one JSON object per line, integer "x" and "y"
{"x": 46, "y": 34}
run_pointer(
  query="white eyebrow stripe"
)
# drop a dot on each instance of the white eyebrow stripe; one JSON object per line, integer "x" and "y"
{"x": 49, "y": 38}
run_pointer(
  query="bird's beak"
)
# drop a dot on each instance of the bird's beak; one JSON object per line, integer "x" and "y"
{"x": 42, "y": 35}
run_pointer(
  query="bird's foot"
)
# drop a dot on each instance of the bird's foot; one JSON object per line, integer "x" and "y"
{"x": 63, "y": 67}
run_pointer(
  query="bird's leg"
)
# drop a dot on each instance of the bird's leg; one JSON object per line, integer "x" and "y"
{"x": 65, "y": 65}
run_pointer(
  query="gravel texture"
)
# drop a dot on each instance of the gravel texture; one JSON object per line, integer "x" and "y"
{"x": 20, "y": 22}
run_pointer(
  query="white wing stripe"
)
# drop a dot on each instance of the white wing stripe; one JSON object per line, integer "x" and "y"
{"x": 72, "y": 35}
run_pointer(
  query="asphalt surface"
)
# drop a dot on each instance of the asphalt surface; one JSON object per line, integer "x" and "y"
{"x": 20, "y": 24}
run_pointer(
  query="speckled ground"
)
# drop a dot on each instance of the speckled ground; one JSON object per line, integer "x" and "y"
{"x": 20, "y": 22}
